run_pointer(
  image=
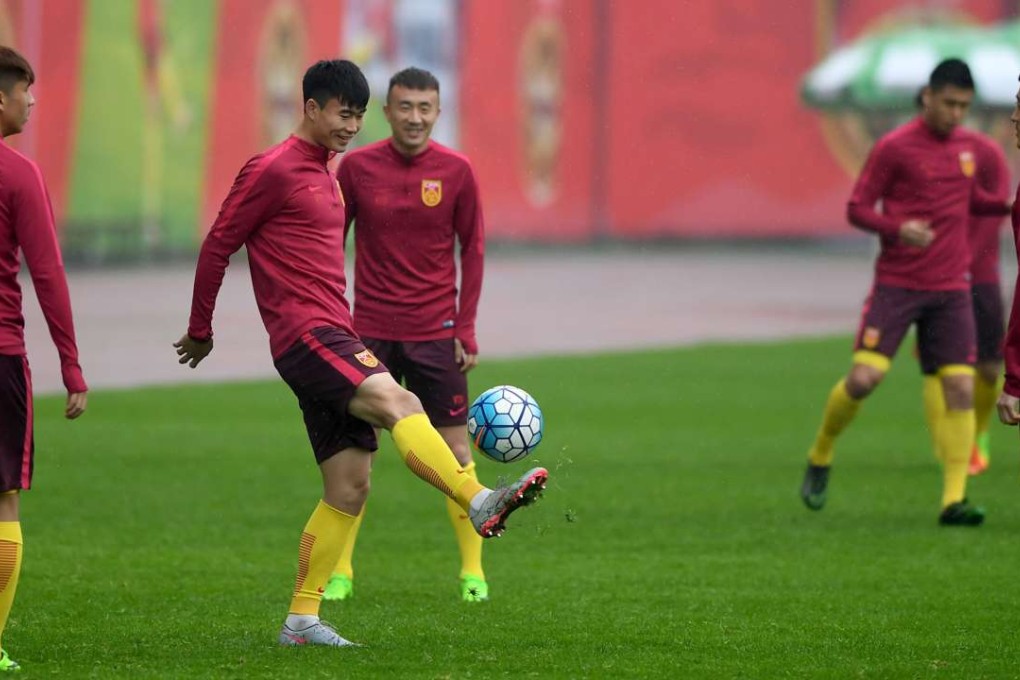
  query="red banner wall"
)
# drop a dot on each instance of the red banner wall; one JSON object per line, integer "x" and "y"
{"x": 528, "y": 115}
{"x": 262, "y": 49}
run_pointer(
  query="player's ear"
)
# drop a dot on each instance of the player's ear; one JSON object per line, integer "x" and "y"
{"x": 312, "y": 109}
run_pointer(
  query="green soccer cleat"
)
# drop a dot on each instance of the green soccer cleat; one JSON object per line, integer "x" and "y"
{"x": 816, "y": 481}
{"x": 474, "y": 589}
{"x": 961, "y": 514}
{"x": 7, "y": 664}
{"x": 339, "y": 587}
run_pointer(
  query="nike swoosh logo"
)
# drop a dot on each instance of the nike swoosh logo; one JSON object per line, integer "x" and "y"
{"x": 458, "y": 411}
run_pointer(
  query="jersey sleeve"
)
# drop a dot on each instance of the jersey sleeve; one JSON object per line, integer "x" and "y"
{"x": 37, "y": 235}
{"x": 469, "y": 226}
{"x": 873, "y": 184}
{"x": 345, "y": 178}
{"x": 257, "y": 194}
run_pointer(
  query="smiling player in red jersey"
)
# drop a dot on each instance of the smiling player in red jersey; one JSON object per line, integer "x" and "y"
{"x": 26, "y": 228}
{"x": 923, "y": 174}
{"x": 286, "y": 208}
{"x": 412, "y": 201}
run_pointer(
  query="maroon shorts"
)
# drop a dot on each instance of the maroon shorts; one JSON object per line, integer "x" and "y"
{"x": 989, "y": 319}
{"x": 945, "y": 325}
{"x": 324, "y": 368}
{"x": 429, "y": 369}
{"x": 17, "y": 443}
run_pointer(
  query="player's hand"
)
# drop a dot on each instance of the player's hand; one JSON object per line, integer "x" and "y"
{"x": 76, "y": 403}
{"x": 1009, "y": 409}
{"x": 917, "y": 233}
{"x": 191, "y": 350}
{"x": 465, "y": 360}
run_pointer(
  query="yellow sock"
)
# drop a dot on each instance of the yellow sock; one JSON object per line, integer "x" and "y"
{"x": 321, "y": 544}
{"x": 840, "y": 409}
{"x": 934, "y": 410}
{"x": 985, "y": 396}
{"x": 468, "y": 540}
{"x": 344, "y": 565}
{"x": 429, "y": 457}
{"x": 10, "y": 567}
{"x": 956, "y": 436}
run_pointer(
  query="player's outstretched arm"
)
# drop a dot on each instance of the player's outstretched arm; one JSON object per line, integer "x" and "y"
{"x": 191, "y": 351}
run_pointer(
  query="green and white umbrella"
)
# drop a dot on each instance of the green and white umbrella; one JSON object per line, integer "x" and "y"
{"x": 884, "y": 72}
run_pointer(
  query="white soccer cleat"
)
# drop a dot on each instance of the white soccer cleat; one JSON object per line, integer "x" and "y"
{"x": 490, "y": 518}
{"x": 319, "y": 633}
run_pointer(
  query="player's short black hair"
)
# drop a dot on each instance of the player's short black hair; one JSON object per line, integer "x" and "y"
{"x": 336, "y": 79}
{"x": 14, "y": 68}
{"x": 414, "y": 78}
{"x": 953, "y": 72}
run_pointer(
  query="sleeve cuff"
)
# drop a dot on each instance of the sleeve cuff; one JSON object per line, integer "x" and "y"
{"x": 74, "y": 381}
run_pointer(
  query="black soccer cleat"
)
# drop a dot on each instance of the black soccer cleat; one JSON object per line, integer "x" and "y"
{"x": 816, "y": 481}
{"x": 961, "y": 514}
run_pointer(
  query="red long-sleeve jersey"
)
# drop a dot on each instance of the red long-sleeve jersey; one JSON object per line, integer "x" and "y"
{"x": 918, "y": 174}
{"x": 993, "y": 177}
{"x": 26, "y": 226}
{"x": 286, "y": 208}
{"x": 410, "y": 213}
{"x": 1011, "y": 346}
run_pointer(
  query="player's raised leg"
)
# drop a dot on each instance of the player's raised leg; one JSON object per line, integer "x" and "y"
{"x": 844, "y": 400}
{"x": 380, "y": 401}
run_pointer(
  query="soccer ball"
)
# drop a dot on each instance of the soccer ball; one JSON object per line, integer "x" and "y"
{"x": 505, "y": 423}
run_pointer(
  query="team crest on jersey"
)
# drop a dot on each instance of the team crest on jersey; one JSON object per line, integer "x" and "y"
{"x": 967, "y": 163}
{"x": 431, "y": 192}
{"x": 367, "y": 358}
{"x": 871, "y": 337}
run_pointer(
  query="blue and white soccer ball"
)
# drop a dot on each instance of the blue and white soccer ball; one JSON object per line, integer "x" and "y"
{"x": 505, "y": 423}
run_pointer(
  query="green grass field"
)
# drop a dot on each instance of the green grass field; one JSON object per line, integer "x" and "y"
{"x": 161, "y": 537}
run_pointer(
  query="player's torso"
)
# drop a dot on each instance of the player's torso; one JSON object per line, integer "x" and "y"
{"x": 933, "y": 180}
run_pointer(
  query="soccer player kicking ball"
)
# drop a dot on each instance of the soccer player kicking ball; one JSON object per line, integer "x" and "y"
{"x": 413, "y": 200}
{"x": 26, "y": 227}
{"x": 287, "y": 209}
{"x": 923, "y": 172}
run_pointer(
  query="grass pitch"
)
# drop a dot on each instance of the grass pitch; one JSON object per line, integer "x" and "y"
{"x": 161, "y": 536}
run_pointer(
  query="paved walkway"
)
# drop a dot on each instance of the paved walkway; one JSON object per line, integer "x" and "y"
{"x": 553, "y": 302}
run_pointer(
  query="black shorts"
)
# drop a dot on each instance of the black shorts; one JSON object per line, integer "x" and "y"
{"x": 429, "y": 369}
{"x": 945, "y": 325}
{"x": 17, "y": 443}
{"x": 989, "y": 319}
{"x": 324, "y": 369}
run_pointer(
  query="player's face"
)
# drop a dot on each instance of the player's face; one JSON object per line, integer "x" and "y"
{"x": 412, "y": 115}
{"x": 946, "y": 107}
{"x": 335, "y": 124}
{"x": 15, "y": 108}
{"x": 1015, "y": 118}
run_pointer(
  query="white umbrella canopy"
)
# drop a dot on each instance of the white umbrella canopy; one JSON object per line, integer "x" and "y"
{"x": 885, "y": 71}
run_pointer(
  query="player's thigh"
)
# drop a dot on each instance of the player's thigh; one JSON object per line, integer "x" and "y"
{"x": 946, "y": 337}
{"x": 17, "y": 443}
{"x": 989, "y": 322}
{"x": 887, "y": 316}
{"x": 324, "y": 369}
{"x": 433, "y": 374}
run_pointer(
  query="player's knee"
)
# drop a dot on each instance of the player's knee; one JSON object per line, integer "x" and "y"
{"x": 863, "y": 380}
{"x": 399, "y": 404}
{"x": 959, "y": 393}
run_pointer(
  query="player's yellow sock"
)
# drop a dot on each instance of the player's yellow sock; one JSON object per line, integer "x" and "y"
{"x": 840, "y": 409}
{"x": 10, "y": 567}
{"x": 468, "y": 540}
{"x": 322, "y": 541}
{"x": 345, "y": 565}
{"x": 934, "y": 401}
{"x": 429, "y": 457}
{"x": 985, "y": 396}
{"x": 956, "y": 436}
